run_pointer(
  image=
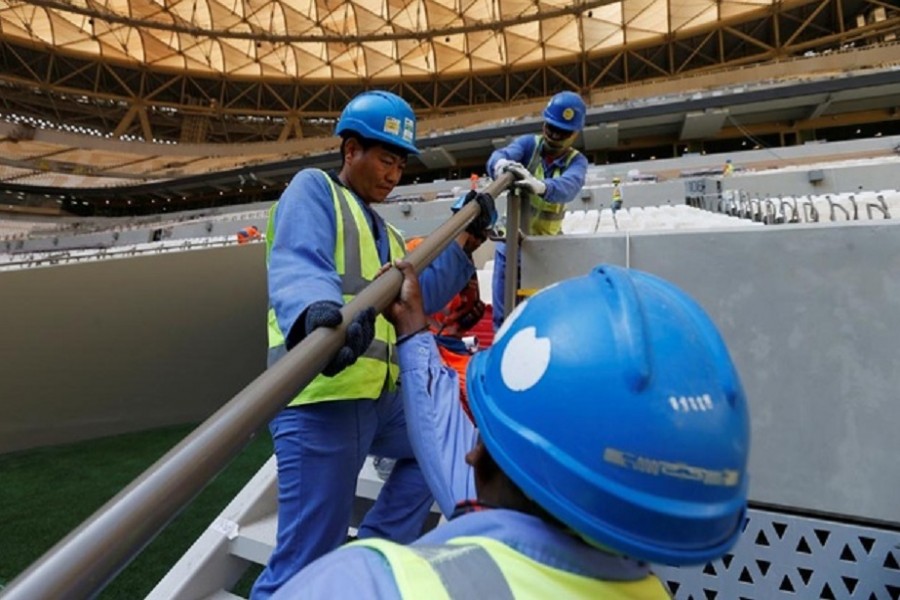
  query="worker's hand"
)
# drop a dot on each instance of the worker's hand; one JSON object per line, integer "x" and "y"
{"x": 485, "y": 219}
{"x": 359, "y": 335}
{"x": 324, "y": 313}
{"x": 470, "y": 242}
{"x": 527, "y": 181}
{"x": 407, "y": 312}
{"x": 503, "y": 165}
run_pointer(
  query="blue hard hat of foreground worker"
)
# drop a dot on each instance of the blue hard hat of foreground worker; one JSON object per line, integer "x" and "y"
{"x": 566, "y": 111}
{"x": 382, "y": 117}
{"x": 621, "y": 415}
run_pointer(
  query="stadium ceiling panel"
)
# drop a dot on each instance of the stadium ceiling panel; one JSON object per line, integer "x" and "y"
{"x": 376, "y": 40}
{"x": 236, "y": 71}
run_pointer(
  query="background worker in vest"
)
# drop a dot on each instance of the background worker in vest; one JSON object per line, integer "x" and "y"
{"x": 616, "y": 194}
{"x": 612, "y": 432}
{"x": 549, "y": 169}
{"x": 728, "y": 169}
{"x": 248, "y": 234}
{"x": 324, "y": 244}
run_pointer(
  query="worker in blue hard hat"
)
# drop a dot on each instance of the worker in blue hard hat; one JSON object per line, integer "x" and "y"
{"x": 612, "y": 431}
{"x": 324, "y": 244}
{"x": 549, "y": 170}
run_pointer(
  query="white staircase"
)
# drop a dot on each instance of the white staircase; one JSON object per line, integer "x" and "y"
{"x": 243, "y": 534}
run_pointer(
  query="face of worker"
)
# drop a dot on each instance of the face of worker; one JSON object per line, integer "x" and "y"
{"x": 372, "y": 174}
{"x": 557, "y": 140}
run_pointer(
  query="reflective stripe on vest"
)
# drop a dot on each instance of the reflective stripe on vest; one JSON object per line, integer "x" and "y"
{"x": 546, "y": 217}
{"x": 356, "y": 261}
{"x": 477, "y": 568}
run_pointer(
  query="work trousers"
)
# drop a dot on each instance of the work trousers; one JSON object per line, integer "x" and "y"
{"x": 320, "y": 449}
{"x": 498, "y": 283}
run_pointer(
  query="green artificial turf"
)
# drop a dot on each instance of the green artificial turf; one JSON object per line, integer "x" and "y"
{"x": 46, "y": 493}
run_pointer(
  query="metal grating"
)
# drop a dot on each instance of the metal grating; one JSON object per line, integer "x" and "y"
{"x": 785, "y": 556}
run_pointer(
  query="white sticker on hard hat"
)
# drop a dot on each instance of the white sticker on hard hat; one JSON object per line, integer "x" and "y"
{"x": 409, "y": 129}
{"x": 392, "y": 125}
{"x": 525, "y": 360}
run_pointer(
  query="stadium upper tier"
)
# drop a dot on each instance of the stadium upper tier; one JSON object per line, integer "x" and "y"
{"x": 273, "y": 70}
{"x": 50, "y": 165}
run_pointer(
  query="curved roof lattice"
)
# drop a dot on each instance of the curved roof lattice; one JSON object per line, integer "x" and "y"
{"x": 337, "y": 40}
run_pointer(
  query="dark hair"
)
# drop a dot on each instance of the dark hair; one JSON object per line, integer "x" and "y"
{"x": 368, "y": 143}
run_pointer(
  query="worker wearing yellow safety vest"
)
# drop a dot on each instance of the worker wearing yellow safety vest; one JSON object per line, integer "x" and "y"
{"x": 616, "y": 194}
{"x": 612, "y": 432}
{"x": 728, "y": 169}
{"x": 549, "y": 170}
{"x": 324, "y": 244}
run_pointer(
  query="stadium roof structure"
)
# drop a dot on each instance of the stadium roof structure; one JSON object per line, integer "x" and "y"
{"x": 106, "y": 94}
{"x": 263, "y": 70}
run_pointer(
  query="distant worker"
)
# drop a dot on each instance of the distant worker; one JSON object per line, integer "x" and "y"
{"x": 728, "y": 169}
{"x": 473, "y": 181}
{"x": 612, "y": 432}
{"x": 549, "y": 169}
{"x": 248, "y": 234}
{"x": 616, "y": 194}
{"x": 324, "y": 244}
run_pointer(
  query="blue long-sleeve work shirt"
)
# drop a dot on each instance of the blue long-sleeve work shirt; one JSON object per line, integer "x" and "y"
{"x": 560, "y": 190}
{"x": 301, "y": 263}
{"x": 441, "y": 434}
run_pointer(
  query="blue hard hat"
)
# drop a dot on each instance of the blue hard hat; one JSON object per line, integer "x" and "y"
{"x": 382, "y": 117}
{"x": 612, "y": 402}
{"x": 566, "y": 110}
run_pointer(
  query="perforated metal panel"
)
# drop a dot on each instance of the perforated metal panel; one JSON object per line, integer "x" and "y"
{"x": 785, "y": 556}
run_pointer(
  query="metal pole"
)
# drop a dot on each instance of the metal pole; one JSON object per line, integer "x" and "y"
{"x": 514, "y": 210}
{"x": 87, "y": 559}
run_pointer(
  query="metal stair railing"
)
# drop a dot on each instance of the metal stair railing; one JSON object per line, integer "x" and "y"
{"x": 89, "y": 558}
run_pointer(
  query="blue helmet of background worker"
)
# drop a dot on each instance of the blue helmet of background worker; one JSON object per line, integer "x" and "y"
{"x": 566, "y": 110}
{"x": 381, "y": 117}
{"x": 621, "y": 415}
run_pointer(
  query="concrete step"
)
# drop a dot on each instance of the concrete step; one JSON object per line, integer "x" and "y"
{"x": 255, "y": 541}
{"x": 223, "y": 595}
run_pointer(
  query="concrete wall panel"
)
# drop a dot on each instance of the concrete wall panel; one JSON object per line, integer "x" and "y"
{"x": 811, "y": 315}
{"x": 111, "y": 346}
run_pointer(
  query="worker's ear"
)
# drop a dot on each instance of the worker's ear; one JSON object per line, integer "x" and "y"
{"x": 488, "y": 476}
{"x": 476, "y": 454}
{"x": 352, "y": 149}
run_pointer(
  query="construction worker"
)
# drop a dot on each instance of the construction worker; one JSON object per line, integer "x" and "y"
{"x": 549, "y": 170}
{"x": 324, "y": 244}
{"x": 248, "y": 234}
{"x": 728, "y": 169}
{"x": 612, "y": 432}
{"x": 616, "y": 194}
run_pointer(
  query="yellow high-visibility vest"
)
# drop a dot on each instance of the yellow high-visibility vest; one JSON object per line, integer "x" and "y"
{"x": 356, "y": 261}
{"x": 546, "y": 217}
{"x": 481, "y": 567}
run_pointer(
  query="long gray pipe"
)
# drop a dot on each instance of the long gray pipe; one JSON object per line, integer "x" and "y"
{"x": 88, "y": 558}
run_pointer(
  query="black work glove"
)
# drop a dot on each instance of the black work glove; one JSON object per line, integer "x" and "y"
{"x": 360, "y": 332}
{"x": 485, "y": 219}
